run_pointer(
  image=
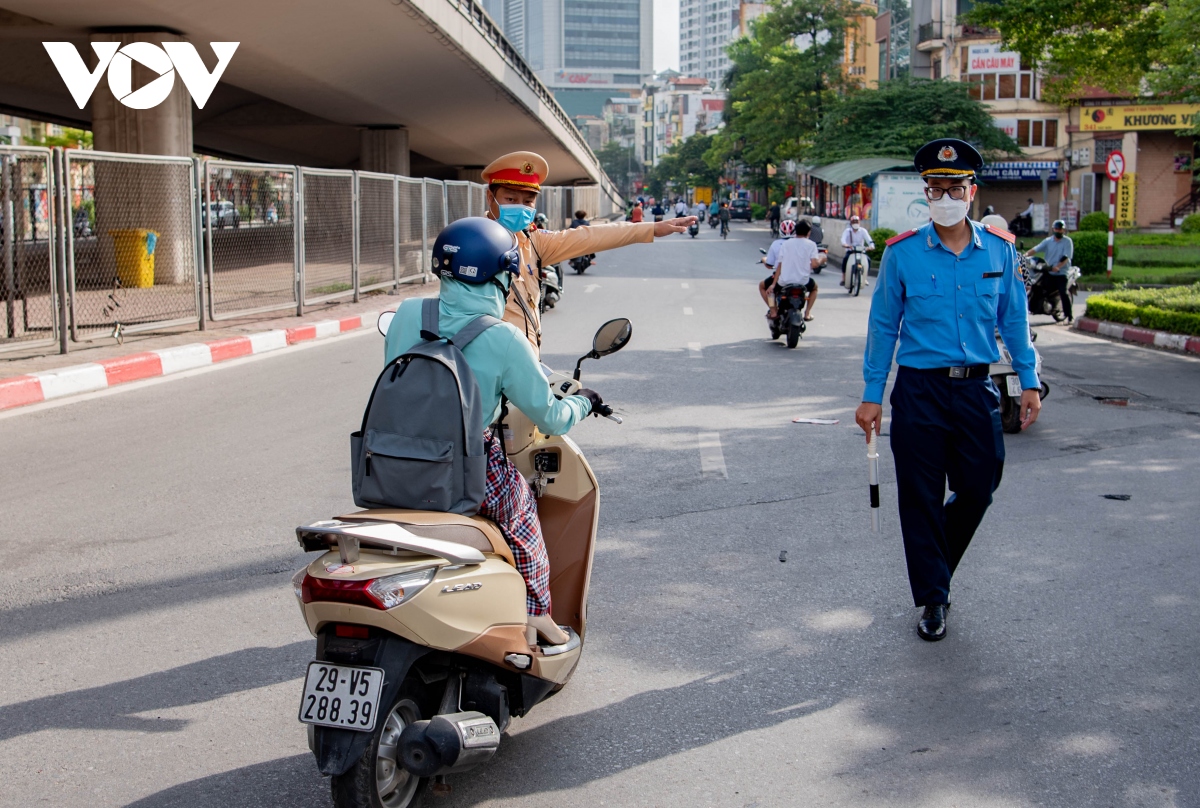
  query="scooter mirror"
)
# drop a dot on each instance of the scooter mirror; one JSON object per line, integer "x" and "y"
{"x": 385, "y": 321}
{"x": 612, "y": 336}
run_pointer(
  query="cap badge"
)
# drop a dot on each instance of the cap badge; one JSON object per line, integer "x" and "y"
{"x": 947, "y": 154}
{"x": 527, "y": 168}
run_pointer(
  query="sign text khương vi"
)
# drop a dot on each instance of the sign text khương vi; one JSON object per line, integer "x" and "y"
{"x": 1141, "y": 116}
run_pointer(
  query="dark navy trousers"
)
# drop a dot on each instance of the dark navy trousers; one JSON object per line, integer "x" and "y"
{"x": 945, "y": 432}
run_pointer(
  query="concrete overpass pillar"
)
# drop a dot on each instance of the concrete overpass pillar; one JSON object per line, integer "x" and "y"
{"x": 384, "y": 149}
{"x": 135, "y": 195}
{"x": 163, "y": 129}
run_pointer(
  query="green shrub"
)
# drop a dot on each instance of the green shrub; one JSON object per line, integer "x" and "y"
{"x": 1158, "y": 239}
{"x": 879, "y": 235}
{"x": 757, "y": 211}
{"x": 1091, "y": 252}
{"x": 1191, "y": 224}
{"x": 1096, "y": 220}
{"x": 1176, "y": 310}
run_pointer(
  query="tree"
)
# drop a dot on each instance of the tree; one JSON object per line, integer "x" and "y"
{"x": 1113, "y": 44}
{"x": 684, "y": 167}
{"x": 782, "y": 78}
{"x": 69, "y": 139}
{"x": 620, "y": 164}
{"x": 1179, "y": 59}
{"x": 900, "y": 116}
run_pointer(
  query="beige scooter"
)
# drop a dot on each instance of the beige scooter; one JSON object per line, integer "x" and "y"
{"x": 423, "y": 652}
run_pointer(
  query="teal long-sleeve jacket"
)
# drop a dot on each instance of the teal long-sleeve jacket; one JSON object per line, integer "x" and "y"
{"x": 501, "y": 357}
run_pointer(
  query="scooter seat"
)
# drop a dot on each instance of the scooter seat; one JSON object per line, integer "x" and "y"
{"x": 472, "y": 531}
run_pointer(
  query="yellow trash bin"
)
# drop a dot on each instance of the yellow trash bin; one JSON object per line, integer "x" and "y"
{"x": 135, "y": 256}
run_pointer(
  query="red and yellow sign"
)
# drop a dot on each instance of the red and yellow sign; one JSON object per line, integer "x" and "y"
{"x": 1127, "y": 201}
{"x": 1139, "y": 117}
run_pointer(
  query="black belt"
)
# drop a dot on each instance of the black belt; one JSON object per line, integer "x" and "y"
{"x": 968, "y": 372}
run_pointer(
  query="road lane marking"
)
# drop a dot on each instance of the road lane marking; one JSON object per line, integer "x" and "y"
{"x": 684, "y": 285}
{"x": 591, "y": 287}
{"x": 694, "y": 351}
{"x": 712, "y": 459}
{"x": 687, "y": 310}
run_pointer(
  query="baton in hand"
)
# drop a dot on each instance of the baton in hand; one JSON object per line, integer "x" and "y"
{"x": 873, "y": 479}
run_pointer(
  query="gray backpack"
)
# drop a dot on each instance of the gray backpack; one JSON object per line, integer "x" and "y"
{"x": 421, "y": 442}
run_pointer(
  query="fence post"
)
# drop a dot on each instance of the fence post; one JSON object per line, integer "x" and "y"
{"x": 355, "y": 221}
{"x": 198, "y": 250}
{"x": 298, "y": 227}
{"x": 395, "y": 232}
{"x": 63, "y": 207}
{"x": 445, "y": 205}
{"x": 206, "y": 231}
{"x": 8, "y": 225}
{"x": 424, "y": 232}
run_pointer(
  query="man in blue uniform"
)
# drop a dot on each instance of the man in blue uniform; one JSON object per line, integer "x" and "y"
{"x": 942, "y": 292}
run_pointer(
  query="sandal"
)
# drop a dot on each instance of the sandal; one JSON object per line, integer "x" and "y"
{"x": 808, "y": 318}
{"x": 772, "y": 313}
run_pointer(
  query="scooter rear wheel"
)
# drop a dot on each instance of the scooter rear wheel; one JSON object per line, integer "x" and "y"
{"x": 377, "y": 780}
{"x": 1010, "y": 413}
{"x": 793, "y": 336}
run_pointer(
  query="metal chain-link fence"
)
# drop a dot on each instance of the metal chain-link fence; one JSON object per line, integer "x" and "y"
{"x": 327, "y": 197}
{"x": 435, "y": 213}
{"x": 28, "y": 276}
{"x": 412, "y": 228}
{"x": 378, "y": 215}
{"x": 249, "y": 224}
{"x": 458, "y": 200}
{"x": 478, "y": 199}
{"x": 131, "y": 249}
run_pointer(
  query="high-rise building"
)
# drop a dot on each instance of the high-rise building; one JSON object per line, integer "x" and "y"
{"x": 706, "y": 27}
{"x": 583, "y": 50}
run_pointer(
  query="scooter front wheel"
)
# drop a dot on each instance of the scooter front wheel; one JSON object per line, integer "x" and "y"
{"x": 377, "y": 780}
{"x": 1010, "y": 412}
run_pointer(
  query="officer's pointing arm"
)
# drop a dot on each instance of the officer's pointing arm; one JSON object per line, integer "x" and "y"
{"x": 561, "y": 245}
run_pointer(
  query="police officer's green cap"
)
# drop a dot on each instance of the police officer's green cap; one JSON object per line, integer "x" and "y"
{"x": 948, "y": 157}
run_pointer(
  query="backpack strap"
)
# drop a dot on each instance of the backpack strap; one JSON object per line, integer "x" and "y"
{"x": 473, "y": 329}
{"x": 429, "y": 319}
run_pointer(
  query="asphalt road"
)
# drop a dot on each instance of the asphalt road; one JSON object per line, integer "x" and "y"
{"x": 153, "y": 649}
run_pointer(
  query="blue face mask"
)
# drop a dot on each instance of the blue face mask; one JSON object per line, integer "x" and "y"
{"x": 516, "y": 218}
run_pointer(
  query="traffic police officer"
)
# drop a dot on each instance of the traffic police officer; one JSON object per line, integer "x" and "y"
{"x": 514, "y": 182}
{"x": 942, "y": 292}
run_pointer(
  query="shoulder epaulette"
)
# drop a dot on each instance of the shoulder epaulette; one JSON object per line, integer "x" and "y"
{"x": 1004, "y": 234}
{"x": 900, "y": 237}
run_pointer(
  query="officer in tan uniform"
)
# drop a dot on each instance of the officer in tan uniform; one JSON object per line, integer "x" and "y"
{"x": 514, "y": 182}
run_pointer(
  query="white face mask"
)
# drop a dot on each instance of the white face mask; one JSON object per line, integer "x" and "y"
{"x": 854, "y": 226}
{"x": 948, "y": 212}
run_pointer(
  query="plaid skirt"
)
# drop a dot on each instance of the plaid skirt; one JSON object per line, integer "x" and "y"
{"x": 509, "y": 502}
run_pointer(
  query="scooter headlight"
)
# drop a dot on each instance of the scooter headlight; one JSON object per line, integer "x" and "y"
{"x": 393, "y": 590}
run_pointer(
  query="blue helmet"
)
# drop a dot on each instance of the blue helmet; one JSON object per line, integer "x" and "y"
{"x": 475, "y": 250}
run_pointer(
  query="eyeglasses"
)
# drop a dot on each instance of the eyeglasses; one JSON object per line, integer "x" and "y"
{"x": 955, "y": 191}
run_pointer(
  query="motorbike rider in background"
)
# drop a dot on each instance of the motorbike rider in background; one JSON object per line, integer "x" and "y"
{"x": 766, "y": 289}
{"x": 723, "y": 216}
{"x": 1059, "y": 251}
{"x": 773, "y": 216}
{"x": 681, "y": 208}
{"x": 854, "y": 236}
{"x": 796, "y": 260}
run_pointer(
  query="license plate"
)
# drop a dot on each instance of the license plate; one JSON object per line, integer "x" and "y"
{"x": 1014, "y": 385}
{"x": 341, "y": 696}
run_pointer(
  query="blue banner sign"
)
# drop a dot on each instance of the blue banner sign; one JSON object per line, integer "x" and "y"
{"x": 1030, "y": 171}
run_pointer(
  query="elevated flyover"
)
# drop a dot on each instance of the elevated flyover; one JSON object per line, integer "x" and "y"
{"x": 421, "y": 87}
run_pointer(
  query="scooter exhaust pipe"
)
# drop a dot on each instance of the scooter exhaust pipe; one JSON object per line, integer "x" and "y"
{"x": 448, "y": 743}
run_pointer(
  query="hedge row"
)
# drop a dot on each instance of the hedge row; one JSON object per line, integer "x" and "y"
{"x": 1178, "y": 298}
{"x": 1106, "y": 307}
{"x": 1091, "y": 251}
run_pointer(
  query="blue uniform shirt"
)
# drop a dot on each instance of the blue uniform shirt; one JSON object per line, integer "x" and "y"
{"x": 945, "y": 309}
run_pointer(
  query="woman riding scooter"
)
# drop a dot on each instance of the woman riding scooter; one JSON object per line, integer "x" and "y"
{"x": 477, "y": 257}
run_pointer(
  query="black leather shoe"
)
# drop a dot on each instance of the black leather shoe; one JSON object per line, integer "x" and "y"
{"x": 932, "y": 625}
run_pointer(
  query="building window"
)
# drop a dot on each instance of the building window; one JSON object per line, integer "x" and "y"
{"x": 1000, "y": 86}
{"x": 1105, "y": 147}
{"x": 1036, "y": 134}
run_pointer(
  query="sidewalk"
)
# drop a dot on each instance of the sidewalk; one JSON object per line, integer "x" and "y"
{"x": 27, "y": 378}
{"x": 1143, "y": 336}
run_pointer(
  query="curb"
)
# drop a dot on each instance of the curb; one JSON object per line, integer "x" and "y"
{"x": 19, "y": 391}
{"x": 1142, "y": 336}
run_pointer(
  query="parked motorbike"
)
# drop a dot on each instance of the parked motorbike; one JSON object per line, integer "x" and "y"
{"x": 551, "y": 288}
{"x": 694, "y": 229}
{"x": 1009, "y": 385}
{"x": 1022, "y": 225}
{"x": 580, "y": 263}
{"x": 1043, "y": 299}
{"x": 423, "y": 655}
{"x": 856, "y": 270}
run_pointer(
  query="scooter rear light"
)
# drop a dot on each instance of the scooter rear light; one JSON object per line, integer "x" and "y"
{"x": 377, "y": 593}
{"x": 352, "y": 632}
